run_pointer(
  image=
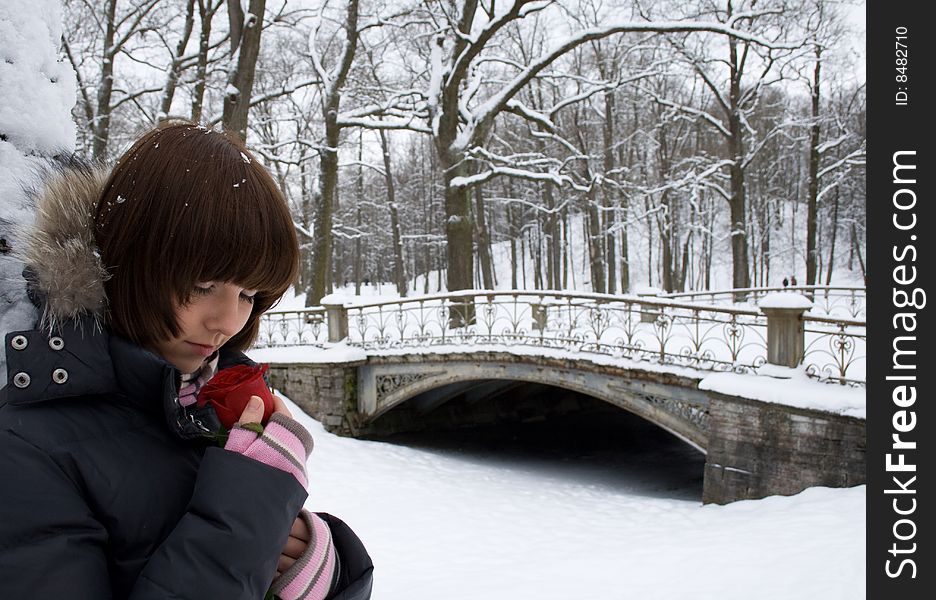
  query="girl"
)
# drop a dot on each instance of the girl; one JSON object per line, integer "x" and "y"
{"x": 150, "y": 280}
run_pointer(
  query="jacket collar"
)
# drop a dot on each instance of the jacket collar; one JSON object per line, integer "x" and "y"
{"x": 78, "y": 361}
{"x": 148, "y": 380}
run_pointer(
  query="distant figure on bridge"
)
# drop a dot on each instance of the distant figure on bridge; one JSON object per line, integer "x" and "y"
{"x": 793, "y": 280}
{"x": 121, "y": 478}
{"x": 786, "y": 282}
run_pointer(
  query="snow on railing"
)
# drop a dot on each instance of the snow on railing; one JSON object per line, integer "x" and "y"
{"x": 827, "y": 300}
{"x": 638, "y": 328}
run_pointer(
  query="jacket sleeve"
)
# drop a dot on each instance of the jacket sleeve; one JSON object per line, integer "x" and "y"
{"x": 51, "y": 546}
{"x": 225, "y": 546}
{"x": 229, "y": 540}
{"x": 356, "y": 576}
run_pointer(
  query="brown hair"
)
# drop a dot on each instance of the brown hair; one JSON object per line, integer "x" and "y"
{"x": 183, "y": 205}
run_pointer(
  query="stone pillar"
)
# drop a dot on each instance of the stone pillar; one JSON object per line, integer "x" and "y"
{"x": 649, "y": 312}
{"x": 337, "y": 317}
{"x": 786, "y": 336}
{"x": 538, "y": 312}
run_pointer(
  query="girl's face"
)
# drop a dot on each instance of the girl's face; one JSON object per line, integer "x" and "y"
{"x": 214, "y": 314}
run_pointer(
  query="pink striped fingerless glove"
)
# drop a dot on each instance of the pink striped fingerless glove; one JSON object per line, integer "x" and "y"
{"x": 284, "y": 444}
{"x": 312, "y": 575}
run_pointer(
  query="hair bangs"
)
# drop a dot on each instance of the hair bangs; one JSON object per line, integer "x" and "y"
{"x": 241, "y": 234}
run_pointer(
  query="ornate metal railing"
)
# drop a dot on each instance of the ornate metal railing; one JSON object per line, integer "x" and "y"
{"x": 835, "y": 349}
{"x": 623, "y": 327}
{"x": 841, "y": 301}
{"x": 306, "y": 327}
{"x": 638, "y": 328}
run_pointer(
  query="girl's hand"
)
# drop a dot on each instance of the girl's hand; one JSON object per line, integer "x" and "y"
{"x": 299, "y": 537}
{"x": 253, "y": 412}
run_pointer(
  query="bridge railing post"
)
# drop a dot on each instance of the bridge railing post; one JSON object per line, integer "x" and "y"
{"x": 538, "y": 312}
{"x": 786, "y": 331}
{"x": 649, "y": 312}
{"x": 337, "y": 317}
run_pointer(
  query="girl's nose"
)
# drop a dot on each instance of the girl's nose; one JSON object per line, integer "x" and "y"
{"x": 228, "y": 314}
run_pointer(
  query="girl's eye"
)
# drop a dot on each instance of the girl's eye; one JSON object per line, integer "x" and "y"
{"x": 204, "y": 289}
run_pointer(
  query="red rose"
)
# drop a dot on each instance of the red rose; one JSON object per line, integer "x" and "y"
{"x": 230, "y": 390}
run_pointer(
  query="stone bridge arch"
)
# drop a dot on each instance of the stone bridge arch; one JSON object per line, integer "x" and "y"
{"x": 672, "y": 402}
{"x": 753, "y": 448}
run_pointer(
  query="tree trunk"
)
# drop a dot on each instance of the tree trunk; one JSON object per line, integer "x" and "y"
{"x": 835, "y": 209}
{"x": 649, "y": 218}
{"x": 522, "y": 236}
{"x": 512, "y": 229}
{"x": 428, "y": 177}
{"x": 331, "y": 103}
{"x": 765, "y": 242}
{"x": 595, "y": 250}
{"x": 566, "y": 252}
{"x": 457, "y": 228}
{"x": 399, "y": 267}
{"x": 666, "y": 244}
{"x": 537, "y": 246}
{"x": 458, "y": 250}
{"x": 101, "y": 125}
{"x": 206, "y": 14}
{"x": 607, "y": 194}
{"x": 323, "y": 248}
{"x": 812, "y": 200}
{"x": 710, "y": 224}
{"x": 625, "y": 255}
{"x": 861, "y": 263}
{"x": 304, "y": 219}
{"x": 358, "y": 250}
{"x": 684, "y": 265}
{"x": 625, "y": 209}
{"x": 484, "y": 242}
{"x": 241, "y": 75}
{"x": 175, "y": 68}
{"x": 551, "y": 236}
{"x": 739, "y": 250}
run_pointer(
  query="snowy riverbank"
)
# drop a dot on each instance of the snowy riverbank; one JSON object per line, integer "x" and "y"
{"x": 441, "y": 525}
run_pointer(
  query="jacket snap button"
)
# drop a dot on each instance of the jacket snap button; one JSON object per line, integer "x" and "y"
{"x": 56, "y": 343}
{"x": 21, "y": 380}
{"x": 19, "y": 342}
{"x": 60, "y": 376}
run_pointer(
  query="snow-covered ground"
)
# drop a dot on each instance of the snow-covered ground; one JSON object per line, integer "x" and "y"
{"x": 444, "y": 523}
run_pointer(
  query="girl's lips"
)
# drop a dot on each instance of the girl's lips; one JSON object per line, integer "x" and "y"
{"x": 201, "y": 349}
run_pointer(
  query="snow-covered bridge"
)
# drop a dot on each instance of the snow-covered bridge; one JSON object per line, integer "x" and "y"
{"x": 367, "y": 368}
{"x": 642, "y": 329}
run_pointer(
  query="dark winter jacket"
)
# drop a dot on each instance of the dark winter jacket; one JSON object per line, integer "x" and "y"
{"x": 109, "y": 488}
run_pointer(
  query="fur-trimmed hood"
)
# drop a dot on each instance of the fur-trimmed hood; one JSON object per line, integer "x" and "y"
{"x": 64, "y": 270}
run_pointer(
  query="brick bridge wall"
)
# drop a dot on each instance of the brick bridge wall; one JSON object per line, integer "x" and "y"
{"x": 327, "y": 392}
{"x": 759, "y": 449}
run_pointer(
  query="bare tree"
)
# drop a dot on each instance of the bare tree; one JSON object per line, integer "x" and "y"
{"x": 332, "y": 80}
{"x": 750, "y": 67}
{"x": 245, "y": 49}
{"x": 399, "y": 267}
{"x": 114, "y": 28}
{"x": 826, "y": 29}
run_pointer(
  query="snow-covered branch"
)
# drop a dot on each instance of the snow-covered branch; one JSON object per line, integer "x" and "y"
{"x": 485, "y": 114}
{"x": 708, "y": 118}
{"x": 854, "y": 158}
